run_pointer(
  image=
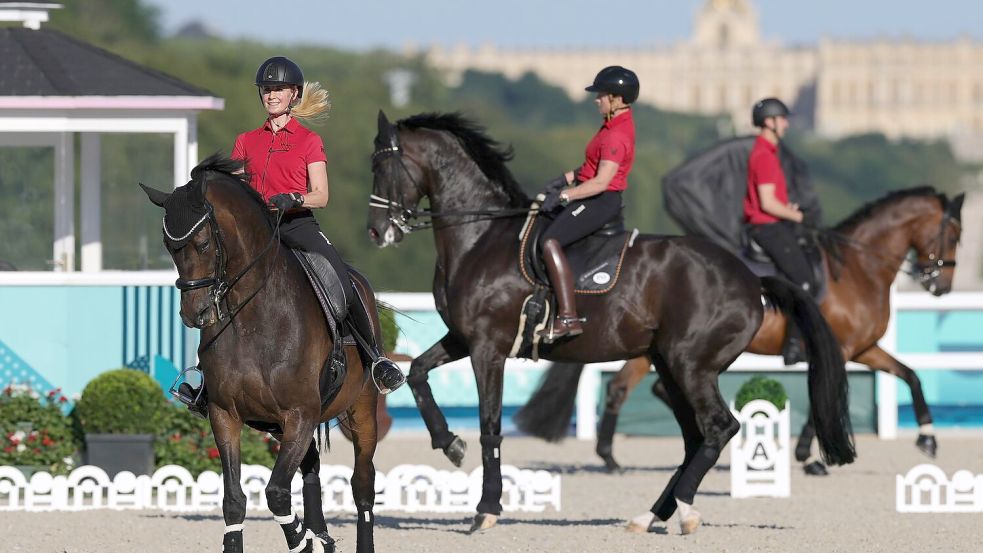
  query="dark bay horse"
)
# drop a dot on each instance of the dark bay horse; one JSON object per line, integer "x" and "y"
{"x": 264, "y": 343}
{"x": 862, "y": 254}
{"x": 684, "y": 301}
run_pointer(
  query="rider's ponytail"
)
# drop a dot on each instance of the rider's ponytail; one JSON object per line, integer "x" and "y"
{"x": 314, "y": 103}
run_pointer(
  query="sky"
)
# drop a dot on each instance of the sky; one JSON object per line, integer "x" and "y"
{"x": 394, "y": 24}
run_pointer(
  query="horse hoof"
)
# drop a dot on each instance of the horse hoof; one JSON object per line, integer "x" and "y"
{"x": 455, "y": 450}
{"x": 483, "y": 522}
{"x": 815, "y": 468}
{"x": 641, "y": 523}
{"x": 326, "y": 541}
{"x": 611, "y": 465}
{"x": 689, "y": 524}
{"x": 926, "y": 444}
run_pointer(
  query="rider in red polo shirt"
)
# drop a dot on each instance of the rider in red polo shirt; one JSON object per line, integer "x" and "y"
{"x": 287, "y": 165}
{"x": 595, "y": 198}
{"x": 773, "y": 219}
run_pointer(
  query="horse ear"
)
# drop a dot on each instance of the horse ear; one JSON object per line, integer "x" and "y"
{"x": 385, "y": 127}
{"x": 956, "y": 206}
{"x": 156, "y": 196}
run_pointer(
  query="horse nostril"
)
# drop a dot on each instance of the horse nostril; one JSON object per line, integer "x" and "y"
{"x": 373, "y": 234}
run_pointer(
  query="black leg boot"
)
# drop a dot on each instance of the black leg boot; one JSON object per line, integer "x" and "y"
{"x": 793, "y": 351}
{"x": 385, "y": 373}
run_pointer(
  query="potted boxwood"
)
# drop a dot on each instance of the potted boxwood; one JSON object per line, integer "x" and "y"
{"x": 120, "y": 413}
{"x": 761, "y": 387}
{"x": 34, "y": 433}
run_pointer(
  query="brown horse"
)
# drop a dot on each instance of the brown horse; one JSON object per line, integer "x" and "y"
{"x": 862, "y": 256}
{"x": 683, "y": 300}
{"x": 264, "y": 345}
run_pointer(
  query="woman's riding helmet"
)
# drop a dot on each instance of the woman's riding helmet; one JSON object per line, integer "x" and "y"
{"x": 279, "y": 71}
{"x": 616, "y": 80}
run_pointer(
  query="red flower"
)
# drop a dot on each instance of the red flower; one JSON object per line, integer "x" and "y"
{"x": 62, "y": 399}
{"x": 13, "y": 441}
{"x": 212, "y": 452}
{"x": 8, "y": 449}
{"x": 176, "y": 437}
{"x": 47, "y": 441}
{"x": 31, "y": 438}
{"x": 52, "y": 394}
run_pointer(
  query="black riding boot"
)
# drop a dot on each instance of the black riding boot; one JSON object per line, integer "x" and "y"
{"x": 195, "y": 398}
{"x": 385, "y": 373}
{"x": 793, "y": 351}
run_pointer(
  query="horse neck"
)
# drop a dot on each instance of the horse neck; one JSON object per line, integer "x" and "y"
{"x": 882, "y": 241}
{"x": 245, "y": 234}
{"x": 463, "y": 187}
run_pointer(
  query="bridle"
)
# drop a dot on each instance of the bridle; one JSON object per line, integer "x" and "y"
{"x": 926, "y": 274}
{"x": 220, "y": 284}
{"x": 401, "y": 216}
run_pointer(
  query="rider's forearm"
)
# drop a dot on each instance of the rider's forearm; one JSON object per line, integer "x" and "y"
{"x": 316, "y": 199}
{"x": 586, "y": 189}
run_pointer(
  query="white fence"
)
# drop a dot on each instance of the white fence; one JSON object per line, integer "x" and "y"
{"x": 408, "y": 488}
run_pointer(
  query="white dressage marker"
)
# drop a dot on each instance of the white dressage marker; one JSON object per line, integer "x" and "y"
{"x": 759, "y": 453}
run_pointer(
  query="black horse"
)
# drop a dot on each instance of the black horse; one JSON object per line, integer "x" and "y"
{"x": 681, "y": 300}
{"x": 264, "y": 347}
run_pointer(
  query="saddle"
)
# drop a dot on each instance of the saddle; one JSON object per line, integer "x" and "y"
{"x": 595, "y": 260}
{"x": 756, "y": 259}
{"x": 330, "y": 294}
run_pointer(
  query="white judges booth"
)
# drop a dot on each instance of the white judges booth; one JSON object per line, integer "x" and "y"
{"x": 54, "y": 86}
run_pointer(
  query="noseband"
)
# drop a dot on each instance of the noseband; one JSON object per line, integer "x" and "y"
{"x": 928, "y": 273}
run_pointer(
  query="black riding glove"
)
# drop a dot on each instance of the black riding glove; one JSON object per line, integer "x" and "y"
{"x": 286, "y": 202}
{"x": 555, "y": 185}
{"x": 551, "y": 202}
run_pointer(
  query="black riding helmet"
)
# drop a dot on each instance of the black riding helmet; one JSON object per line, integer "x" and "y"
{"x": 616, "y": 80}
{"x": 279, "y": 71}
{"x": 769, "y": 107}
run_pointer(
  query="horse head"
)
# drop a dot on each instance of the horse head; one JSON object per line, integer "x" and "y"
{"x": 934, "y": 241}
{"x": 193, "y": 237}
{"x": 395, "y": 187}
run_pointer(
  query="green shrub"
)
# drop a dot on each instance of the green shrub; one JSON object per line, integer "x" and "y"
{"x": 34, "y": 432}
{"x": 187, "y": 441}
{"x": 390, "y": 332}
{"x": 760, "y": 387}
{"x": 123, "y": 401}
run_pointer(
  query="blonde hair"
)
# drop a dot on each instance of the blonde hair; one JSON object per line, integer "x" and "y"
{"x": 314, "y": 103}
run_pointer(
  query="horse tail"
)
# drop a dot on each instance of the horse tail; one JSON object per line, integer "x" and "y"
{"x": 828, "y": 386}
{"x": 548, "y": 412}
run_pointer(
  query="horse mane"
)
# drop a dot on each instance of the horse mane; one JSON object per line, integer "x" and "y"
{"x": 233, "y": 170}
{"x": 867, "y": 210}
{"x": 831, "y": 240}
{"x": 487, "y": 153}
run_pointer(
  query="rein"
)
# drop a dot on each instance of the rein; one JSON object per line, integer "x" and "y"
{"x": 402, "y": 216}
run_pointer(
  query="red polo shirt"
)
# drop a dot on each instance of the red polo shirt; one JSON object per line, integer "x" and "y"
{"x": 763, "y": 167}
{"x": 278, "y": 161}
{"x": 614, "y": 141}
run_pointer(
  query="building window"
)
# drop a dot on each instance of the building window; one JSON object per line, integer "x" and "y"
{"x": 723, "y": 35}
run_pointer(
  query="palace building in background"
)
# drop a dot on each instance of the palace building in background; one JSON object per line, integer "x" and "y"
{"x": 898, "y": 87}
